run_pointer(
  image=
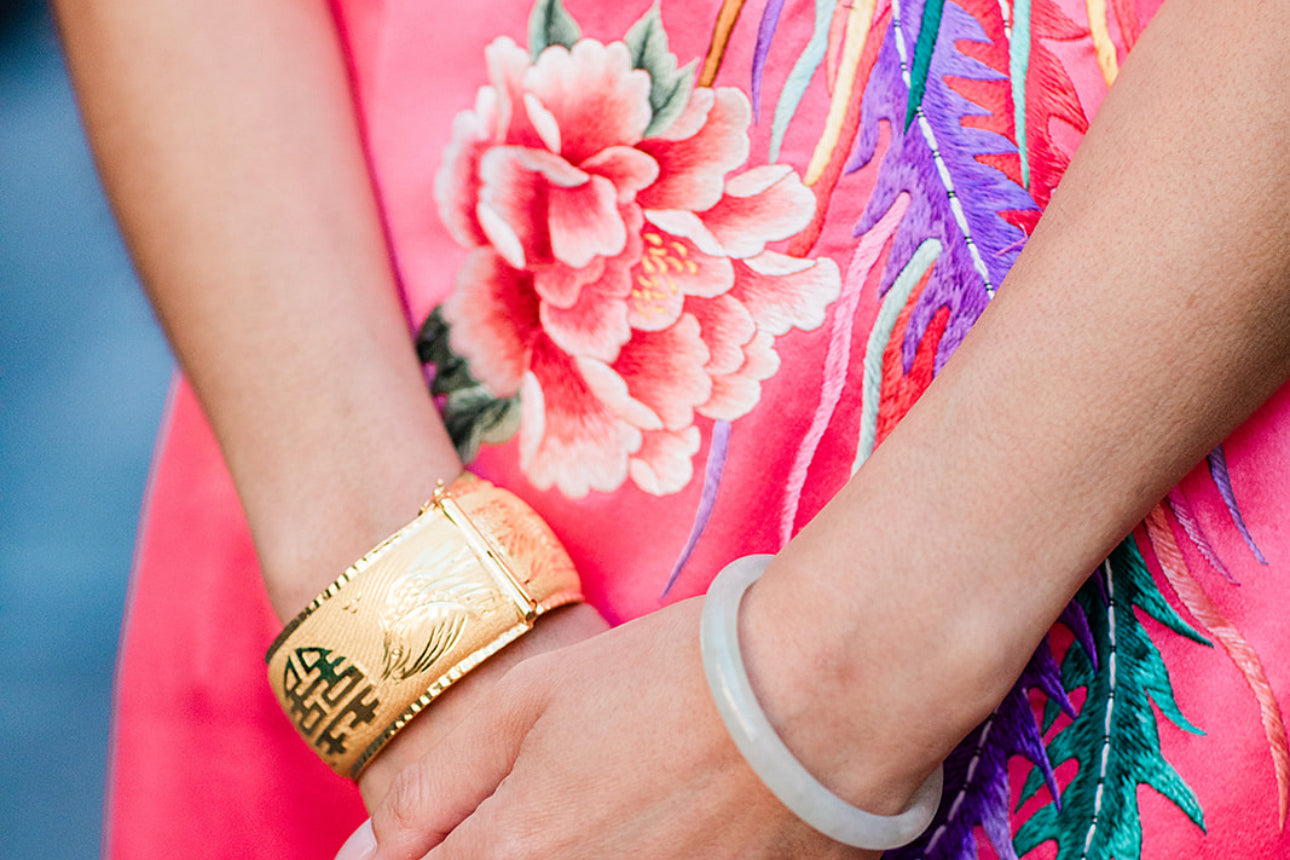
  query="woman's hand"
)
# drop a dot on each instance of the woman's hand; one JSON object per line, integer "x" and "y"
{"x": 607, "y": 747}
{"x": 565, "y": 626}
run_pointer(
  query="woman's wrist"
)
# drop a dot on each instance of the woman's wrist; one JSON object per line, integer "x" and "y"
{"x": 870, "y": 725}
{"x": 319, "y": 508}
{"x": 436, "y": 600}
{"x": 890, "y": 627}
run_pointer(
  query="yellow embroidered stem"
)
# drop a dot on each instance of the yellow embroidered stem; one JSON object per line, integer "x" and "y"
{"x": 726, "y": 20}
{"x": 859, "y": 20}
{"x": 1102, "y": 40}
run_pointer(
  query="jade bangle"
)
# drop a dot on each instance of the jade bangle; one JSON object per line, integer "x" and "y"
{"x": 763, "y": 749}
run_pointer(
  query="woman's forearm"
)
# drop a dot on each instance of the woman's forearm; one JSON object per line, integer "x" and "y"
{"x": 1148, "y": 316}
{"x": 229, "y": 147}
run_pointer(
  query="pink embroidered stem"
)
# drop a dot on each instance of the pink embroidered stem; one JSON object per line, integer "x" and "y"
{"x": 838, "y": 359}
{"x": 1243, "y": 655}
{"x": 1187, "y": 519}
{"x": 837, "y": 29}
{"x": 1126, "y": 17}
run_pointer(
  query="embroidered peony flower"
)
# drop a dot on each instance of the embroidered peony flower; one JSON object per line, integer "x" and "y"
{"x": 619, "y": 282}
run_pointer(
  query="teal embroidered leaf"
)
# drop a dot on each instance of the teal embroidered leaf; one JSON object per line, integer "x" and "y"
{"x": 1115, "y": 738}
{"x": 922, "y": 64}
{"x": 1018, "y": 66}
{"x": 550, "y": 24}
{"x": 799, "y": 78}
{"x": 670, "y": 87}
{"x": 471, "y": 413}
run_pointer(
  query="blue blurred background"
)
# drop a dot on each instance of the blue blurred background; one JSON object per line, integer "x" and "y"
{"x": 83, "y": 377}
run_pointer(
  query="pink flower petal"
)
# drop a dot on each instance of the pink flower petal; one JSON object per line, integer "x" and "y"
{"x": 493, "y": 318}
{"x": 505, "y": 239}
{"x": 784, "y": 292}
{"x": 568, "y": 438}
{"x": 595, "y": 322}
{"x": 548, "y": 130}
{"x": 629, "y": 169}
{"x": 735, "y": 394}
{"x": 488, "y": 112}
{"x": 665, "y": 462}
{"x": 596, "y": 325}
{"x": 726, "y": 327}
{"x": 560, "y": 285}
{"x": 687, "y": 225}
{"x": 584, "y": 222}
{"x": 668, "y": 271}
{"x": 507, "y": 63}
{"x": 611, "y": 390}
{"x": 692, "y": 170}
{"x": 664, "y": 370}
{"x": 456, "y": 185}
{"x": 514, "y": 196}
{"x": 594, "y": 93}
{"x": 762, "y": 205}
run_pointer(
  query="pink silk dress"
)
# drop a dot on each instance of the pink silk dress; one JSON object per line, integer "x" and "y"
{"x": 684, "y": 266}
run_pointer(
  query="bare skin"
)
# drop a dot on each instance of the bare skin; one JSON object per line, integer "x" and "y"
{"x": 229, "y": 148}
{"x": 1148, "y": 316}
{"x": 1129, "y": 339}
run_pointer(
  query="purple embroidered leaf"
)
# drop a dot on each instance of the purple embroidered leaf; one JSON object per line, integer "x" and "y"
{"x": 1223, "y": 480}
{"x": 765, "y": 35}
{"x": 934, "y": 160}
{"x": 976, "y": 773}
{"x": 712, "y": 473}
{"x": 1074, "y": 619}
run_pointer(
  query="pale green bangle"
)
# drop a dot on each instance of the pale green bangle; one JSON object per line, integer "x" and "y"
{"x": 763, "y": 749}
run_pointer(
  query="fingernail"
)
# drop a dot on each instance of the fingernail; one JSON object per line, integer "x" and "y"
{"x": 361, "y": 845}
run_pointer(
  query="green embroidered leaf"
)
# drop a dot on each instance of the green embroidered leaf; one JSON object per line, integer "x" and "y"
{"x": 671, "y": 101}
{"x": 1115, "y": 738}
{"x": 670, "y": 87}
{"x": 471, "y": 413}
{"x": 473, "y": 416}
{"x": 451, "y": 372}
{"x": 550, "y": 24}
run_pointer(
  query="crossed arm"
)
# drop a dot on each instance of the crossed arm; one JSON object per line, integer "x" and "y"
{"x": 1149, "y": 314}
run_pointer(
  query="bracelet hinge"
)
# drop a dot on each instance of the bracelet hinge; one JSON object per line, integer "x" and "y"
{"x": 526, "y": 607}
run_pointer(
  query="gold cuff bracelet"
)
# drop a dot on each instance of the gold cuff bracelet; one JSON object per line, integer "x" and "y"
{"x": 434, "y": 600}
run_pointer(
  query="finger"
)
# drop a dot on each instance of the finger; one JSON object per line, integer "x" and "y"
{"x": 432, "y": 796}
{"x": 485, "y": 833}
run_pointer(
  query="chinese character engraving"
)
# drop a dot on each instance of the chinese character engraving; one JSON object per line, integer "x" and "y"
{"x": 322, "y": 688}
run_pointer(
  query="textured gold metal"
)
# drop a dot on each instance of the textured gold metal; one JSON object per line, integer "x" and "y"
{"x": 434, "y": 600}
